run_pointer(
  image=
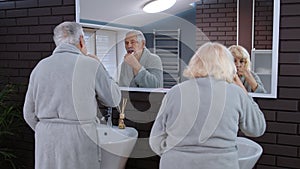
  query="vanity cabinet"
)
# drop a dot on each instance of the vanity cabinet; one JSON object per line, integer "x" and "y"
{"x": 140, "y": 113}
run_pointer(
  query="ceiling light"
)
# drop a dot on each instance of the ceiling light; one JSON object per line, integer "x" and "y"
{"x": 158, "y": 5}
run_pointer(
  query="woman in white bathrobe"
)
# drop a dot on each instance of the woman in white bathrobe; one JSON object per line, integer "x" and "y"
{"x": 61, "y": 103}
{"x": 198, "y": 122}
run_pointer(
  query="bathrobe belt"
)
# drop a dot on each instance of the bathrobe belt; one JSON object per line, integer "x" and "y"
{"x": 67, "y": 121}
{"x": 193, "y": 149}
{"x": 75, "y": 122}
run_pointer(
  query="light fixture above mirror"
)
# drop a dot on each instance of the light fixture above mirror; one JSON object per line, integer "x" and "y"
{"x": 156, "y": 6}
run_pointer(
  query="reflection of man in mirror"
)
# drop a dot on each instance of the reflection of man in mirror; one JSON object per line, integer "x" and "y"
{"x": 250, "y": 80}
{"x": 140, "y": 67}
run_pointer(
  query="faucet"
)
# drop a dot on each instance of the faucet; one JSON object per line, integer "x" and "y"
{"x": 109, "y": 117}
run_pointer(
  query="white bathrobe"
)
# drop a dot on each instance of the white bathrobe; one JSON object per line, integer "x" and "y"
{"x": 150, "y": 75}
{"x": 61, "y": 107}
{"x": 260, "y": 86}
{"x": 197, "y": 125}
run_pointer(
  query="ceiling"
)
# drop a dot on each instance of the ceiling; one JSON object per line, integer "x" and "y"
{"x": 126, "y": 12}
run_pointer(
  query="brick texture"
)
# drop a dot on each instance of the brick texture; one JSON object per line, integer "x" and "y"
{"x": 26, "y": 24}
{"x": 26, "y": 37}
{"x": 284, "y": 152}
{"x": 216, "y": 21}
{"x": 263, "y": 24}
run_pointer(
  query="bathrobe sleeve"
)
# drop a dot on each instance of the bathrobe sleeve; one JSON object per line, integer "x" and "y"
{"x": 29, "y": 105}
{"x": 149, "y": 78}
{"x": 252, "y": 121}
{"x": 152, "y": 76}
{"x": 107, "y": 90}
{"x": 260, "y": 86}
{"x": 158, "y": 133}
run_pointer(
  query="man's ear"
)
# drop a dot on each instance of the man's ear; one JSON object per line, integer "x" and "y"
{"x": 81, "y": 41}
{"x": 81, "y": 45}
{"x": 143, "y": 43}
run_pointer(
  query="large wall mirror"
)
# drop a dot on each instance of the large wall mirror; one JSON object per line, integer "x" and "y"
{"x": 106, "y": 23}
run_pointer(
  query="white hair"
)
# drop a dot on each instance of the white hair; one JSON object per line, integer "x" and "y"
{"x": 211, "y": 59}
{"x": 140, "y": 36}
{"x": 241, "y": 53}
{"x": 67, "y": 32}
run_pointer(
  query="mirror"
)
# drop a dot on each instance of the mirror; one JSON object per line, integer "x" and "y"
{"x": 103, "y": 18}
{"x": 263, "y": 41}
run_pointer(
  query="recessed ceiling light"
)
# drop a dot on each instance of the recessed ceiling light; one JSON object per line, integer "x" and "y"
{"x": 158, "y": 5}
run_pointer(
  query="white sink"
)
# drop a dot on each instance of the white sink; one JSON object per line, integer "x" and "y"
{"x": 116, "y": 145}
{"x": 248, "y": 152}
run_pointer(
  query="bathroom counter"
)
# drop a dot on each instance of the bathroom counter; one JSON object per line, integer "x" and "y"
{"x": 137, "y": 89}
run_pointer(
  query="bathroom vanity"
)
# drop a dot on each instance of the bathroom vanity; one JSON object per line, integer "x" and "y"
{"x": 141, "y": 110}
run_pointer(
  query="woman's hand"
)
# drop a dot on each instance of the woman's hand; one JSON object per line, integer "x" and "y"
{"x": 249, "y": 78}
{"x": 243, "y": 71}
{"x": 238, "y": 82}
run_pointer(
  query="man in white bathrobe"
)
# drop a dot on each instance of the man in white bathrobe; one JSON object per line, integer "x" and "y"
{"x": 140, "y": 68}
{"x": 61, "y": 102}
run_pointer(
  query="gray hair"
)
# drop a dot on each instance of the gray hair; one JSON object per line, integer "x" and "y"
{"x": 211, "y": 59}
{"x": 67, "y": 32}
{"x": 140, "y": 36}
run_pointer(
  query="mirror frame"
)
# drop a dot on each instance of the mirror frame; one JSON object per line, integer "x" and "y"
{"x": 275, "y": 49}
{"x": 275, "y": 46}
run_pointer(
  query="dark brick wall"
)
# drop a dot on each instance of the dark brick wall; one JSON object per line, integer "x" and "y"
{"x": 281, "y": 142}
{"x": 216, "y": 21}
{"x": 263, "y": 24}
{"x": 26, "y": 37}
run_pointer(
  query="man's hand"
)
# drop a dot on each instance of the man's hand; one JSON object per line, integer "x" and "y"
{"x": 132, "y": 61}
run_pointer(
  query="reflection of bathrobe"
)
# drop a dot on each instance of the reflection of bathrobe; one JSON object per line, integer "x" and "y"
{"x": 197, "y": 125}
{"x": 150, "y": 75}
{"x": 62, "y": 95}
{"x": 260, "y": 86}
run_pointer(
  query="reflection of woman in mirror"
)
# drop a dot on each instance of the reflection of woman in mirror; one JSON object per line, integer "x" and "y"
{"x": 250, "y": 80}
{"x": 199, "y": 119}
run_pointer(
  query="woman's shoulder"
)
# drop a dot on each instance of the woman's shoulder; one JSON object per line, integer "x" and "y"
{"x": 236, "y": 92}
{"x": 187, "y": 85}
{"x": 233, "y": 87}
{"x": 175, "y": 90}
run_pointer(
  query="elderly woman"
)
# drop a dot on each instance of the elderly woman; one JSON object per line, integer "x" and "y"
{"x": 199, "y": 119}
{"x": 250, "y": 80}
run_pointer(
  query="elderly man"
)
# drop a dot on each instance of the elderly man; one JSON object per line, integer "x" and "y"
{"x": 61, "y": 102}
{"x": 140, "y": 67}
